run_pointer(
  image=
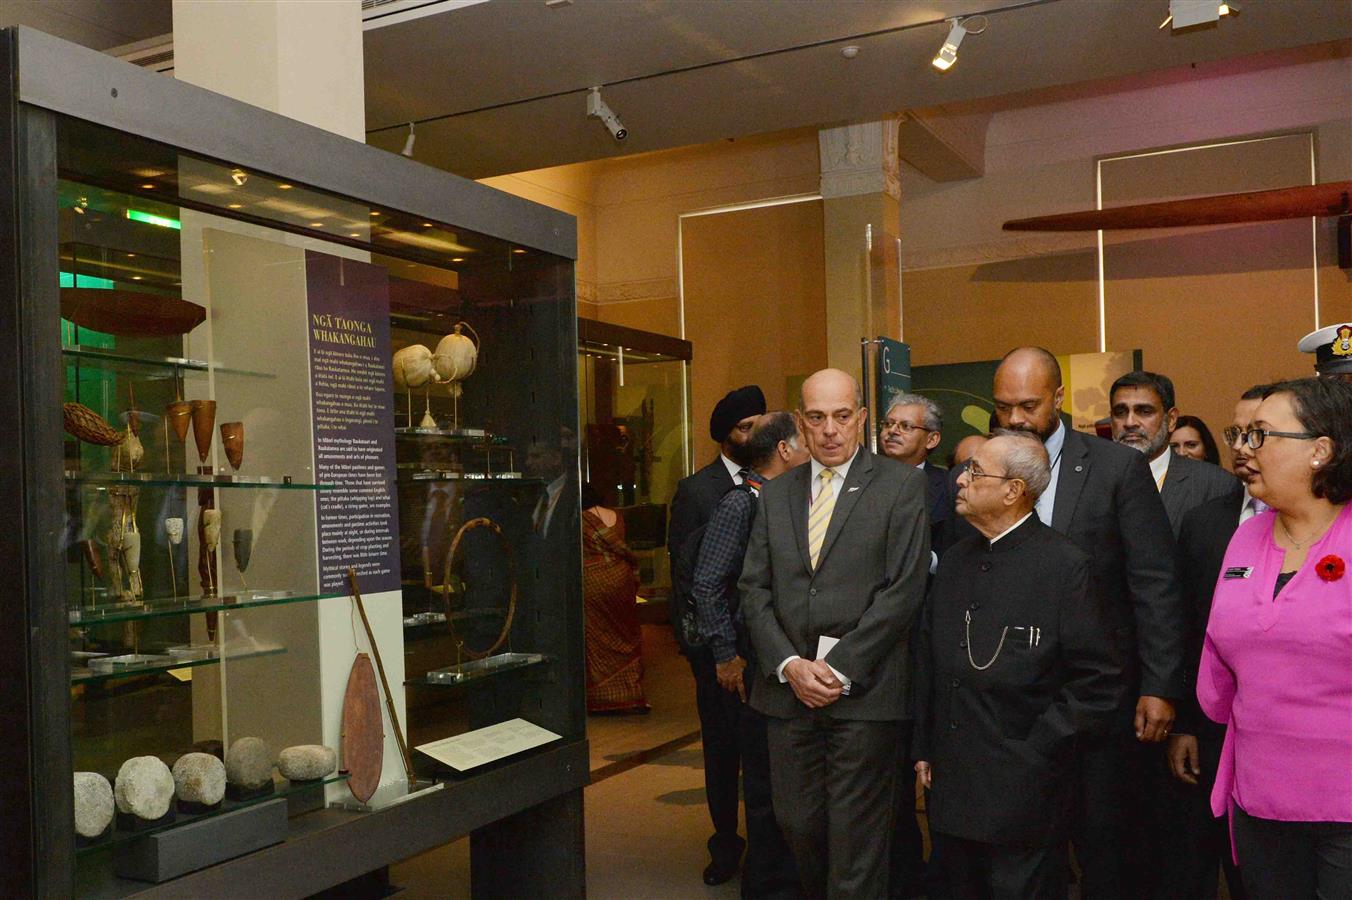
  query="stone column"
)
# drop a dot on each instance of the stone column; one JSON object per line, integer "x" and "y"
{"x": 860, "y": 187}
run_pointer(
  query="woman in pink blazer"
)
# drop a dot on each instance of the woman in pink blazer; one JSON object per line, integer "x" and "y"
{"x": 1277, "y": 663}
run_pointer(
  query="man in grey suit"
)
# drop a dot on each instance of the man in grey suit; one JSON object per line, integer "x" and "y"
{"x": 833, "y": 578}
{"x": 1144, "y": 414}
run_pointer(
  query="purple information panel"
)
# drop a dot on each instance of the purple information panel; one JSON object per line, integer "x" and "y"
{"x": 350, "y": 382}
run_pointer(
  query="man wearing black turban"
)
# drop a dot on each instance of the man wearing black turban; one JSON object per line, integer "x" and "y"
{"x": 733, "y": 419}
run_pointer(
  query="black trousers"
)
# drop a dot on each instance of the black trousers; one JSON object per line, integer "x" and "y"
{"x": 834, "y": 782}
{"x": 740, "y": 745}
{"x": 906, "y": 877}
{"x": 1112, "y": 815}
{"x": 1294, "y": 860}
{"x": 722, "y": 759}
{"x": 1194, "y": 844}
{"x": 979, "y": 871}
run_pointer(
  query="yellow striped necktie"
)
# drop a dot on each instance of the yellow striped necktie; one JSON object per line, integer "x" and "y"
{"x": 819, "y": 516}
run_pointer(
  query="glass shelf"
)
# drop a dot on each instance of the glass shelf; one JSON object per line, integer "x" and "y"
{"x": 476, "y": 670}
{"x": 156, "y": 479}
{"x": 87, "y": 676}
{"x": 98, "y": 357}
{"x": 165, "y": 606}
{"x": 281, "y": 788}
{"x": 422, "y": 475}
{"x": 464, "y": 434}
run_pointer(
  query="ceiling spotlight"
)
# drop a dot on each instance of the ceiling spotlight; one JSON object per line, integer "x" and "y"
{"x": 239, "y": 176}
{"x": 597, "y": 109}
{"x": 1189, "y": 13}
{"x": 408, "y": 142}
{"x": 948, "y": 53}
{"x": 850, "y": 52}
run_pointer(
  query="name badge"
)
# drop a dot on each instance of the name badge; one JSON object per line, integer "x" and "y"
{"x": 1238, "y": 572}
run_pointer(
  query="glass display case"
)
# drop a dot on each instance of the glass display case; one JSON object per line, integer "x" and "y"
{"x": 297, "y": 484}
{"x": 634, "y": 387}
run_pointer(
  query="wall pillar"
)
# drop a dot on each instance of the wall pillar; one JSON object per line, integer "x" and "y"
{"x": 861, "y": 190}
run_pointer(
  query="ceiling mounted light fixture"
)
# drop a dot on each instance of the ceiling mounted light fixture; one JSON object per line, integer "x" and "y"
{"x": 408, "y": 142}
{"x": 239, "y": 177}
{"x": 1190, "y": 13}
{"x": 958, "y": 29}
{"x": 597, "y": 109}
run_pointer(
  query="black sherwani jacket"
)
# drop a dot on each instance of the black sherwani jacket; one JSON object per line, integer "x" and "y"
{"x": 1001, "y": 742}
{"x": 1107, "y": 503}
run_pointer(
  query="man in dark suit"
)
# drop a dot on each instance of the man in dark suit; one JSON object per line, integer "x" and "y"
{"x": 1015, "y": 665}
{"x": 910, "y": 430}
{"x": 1195, "y": 841}
{"x": 1102, "y": 497}
{"x": 833, "y": 578}
{"x": 1143, "y": 416}
{"x": 731, "y": 424}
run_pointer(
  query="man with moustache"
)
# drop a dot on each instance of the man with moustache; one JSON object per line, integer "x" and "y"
{"x": 1102, "y": 497}
{"x": 910, "y": 430}
{"x": 1196, "y": 842}
{"x": 834, "y": 575}
{"x": 731, "y": 424}
{"x": 1143, "y": 417}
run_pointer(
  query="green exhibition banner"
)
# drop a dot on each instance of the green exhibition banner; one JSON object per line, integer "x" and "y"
{"x": 892, "y": 375}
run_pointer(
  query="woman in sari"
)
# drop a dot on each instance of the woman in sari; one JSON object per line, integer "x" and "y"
{"x": 614, "y": 638}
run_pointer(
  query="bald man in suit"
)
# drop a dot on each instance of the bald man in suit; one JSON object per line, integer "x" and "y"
{"x": 834, "y": 575}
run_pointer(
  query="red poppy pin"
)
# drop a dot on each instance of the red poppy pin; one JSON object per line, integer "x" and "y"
{"x": 1331, "y": 567}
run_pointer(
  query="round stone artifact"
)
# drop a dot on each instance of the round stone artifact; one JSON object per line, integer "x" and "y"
{"x": 144, "y": 788}
{"x": 248, "y": 763}
{"x": 93, "y": 804}
{"x": 307, "y": 762}
{"x": 199, "y": 778}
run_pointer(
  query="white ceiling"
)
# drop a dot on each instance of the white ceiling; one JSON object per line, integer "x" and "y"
{"x": 100, "y": 24}
{"x": 501, "y": 86}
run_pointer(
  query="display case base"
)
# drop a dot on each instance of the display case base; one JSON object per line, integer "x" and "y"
{"x": 239, "y": 794}
{"x": 127, "y": 822}
{"x": 178, "y": 851}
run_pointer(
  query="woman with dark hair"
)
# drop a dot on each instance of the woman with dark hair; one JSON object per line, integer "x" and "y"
{"x": 1191, "y": 437}
{"x": 1277, "y": 662}
{"x": 613, "y": 636}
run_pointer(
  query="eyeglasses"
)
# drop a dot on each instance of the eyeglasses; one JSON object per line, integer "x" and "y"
{"x": 907, "y": 427}
{"x": 1254, "y": 437}
{"x": 975, "y": 472}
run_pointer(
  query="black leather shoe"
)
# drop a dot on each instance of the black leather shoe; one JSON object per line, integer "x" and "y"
{"x": 717, "y": 873}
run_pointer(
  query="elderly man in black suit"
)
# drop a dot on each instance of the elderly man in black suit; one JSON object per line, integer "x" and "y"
{"x": 1102, "y": 497}
{"x": 1195, "y": 841}
{"x": 833, "y": 578}
{"x": 1143, "y": 416}
{"x": 1015, "y": 665}
{"x": 731, "y": 425}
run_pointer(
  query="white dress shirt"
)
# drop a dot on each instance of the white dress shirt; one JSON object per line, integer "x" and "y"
{"x": 732, "y": 468}
{"x": 1159, "y": 468}
{"x": 1246, "y": 511}
{"x": 1046, "y": 504}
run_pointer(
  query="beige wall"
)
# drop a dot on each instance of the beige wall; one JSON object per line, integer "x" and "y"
{"x": 1215, "y": 308}
{"x": 755, "y": 290}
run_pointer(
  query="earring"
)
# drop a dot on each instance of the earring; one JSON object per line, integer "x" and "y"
{"x": 1314, "y": 463}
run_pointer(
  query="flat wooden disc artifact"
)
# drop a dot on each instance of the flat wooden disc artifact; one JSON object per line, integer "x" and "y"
{"x": 363, "y": 731}
{"x": 129, "y": 313}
